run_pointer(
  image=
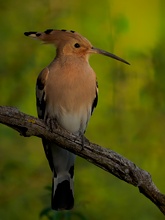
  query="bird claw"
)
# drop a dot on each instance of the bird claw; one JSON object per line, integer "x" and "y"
{"x": 84, "y": 141}
{"x": 52, "y": 124}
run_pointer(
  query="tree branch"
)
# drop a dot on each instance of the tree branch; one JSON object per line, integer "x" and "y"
{"x": 104, "y": 158}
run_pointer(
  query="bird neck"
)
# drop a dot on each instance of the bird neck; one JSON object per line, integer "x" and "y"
{"x": 71, "y": 59}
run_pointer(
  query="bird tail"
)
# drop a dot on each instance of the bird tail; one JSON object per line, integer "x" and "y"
{"x": 62, "y": 193}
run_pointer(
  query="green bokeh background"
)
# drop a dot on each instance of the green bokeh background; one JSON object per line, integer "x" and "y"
{"x": 130, "y": 117}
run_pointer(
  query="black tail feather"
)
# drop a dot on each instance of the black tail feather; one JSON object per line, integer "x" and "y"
{"x": 62, "y": 198}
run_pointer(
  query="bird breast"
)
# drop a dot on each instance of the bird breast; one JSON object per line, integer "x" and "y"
{"x": 70, "y": 91}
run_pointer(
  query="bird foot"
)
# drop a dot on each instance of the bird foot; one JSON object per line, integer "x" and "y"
{"x": 52, "y": 124}
{"x": 84, "y": 141}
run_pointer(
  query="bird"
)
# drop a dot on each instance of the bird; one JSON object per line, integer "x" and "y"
{"x": 67, "y": 94}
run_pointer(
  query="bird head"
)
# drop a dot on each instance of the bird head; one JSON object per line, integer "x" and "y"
{"x": 70, "y": 43}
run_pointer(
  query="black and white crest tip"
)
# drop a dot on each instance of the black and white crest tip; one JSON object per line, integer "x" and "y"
{"x": 30, "y": 33}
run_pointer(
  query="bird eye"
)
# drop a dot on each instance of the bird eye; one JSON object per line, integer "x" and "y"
{"x": 77, "y": 45}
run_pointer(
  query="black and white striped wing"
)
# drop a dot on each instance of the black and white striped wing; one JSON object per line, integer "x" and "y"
{"x": 41, "y": 106}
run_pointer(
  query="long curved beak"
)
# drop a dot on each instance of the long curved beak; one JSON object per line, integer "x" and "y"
{"x": 105, "y": 53}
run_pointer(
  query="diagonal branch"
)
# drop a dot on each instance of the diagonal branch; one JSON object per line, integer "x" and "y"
{"x": 104, "y": 158}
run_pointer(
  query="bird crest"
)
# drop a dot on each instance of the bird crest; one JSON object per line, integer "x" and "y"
{"x": 55, "y": 36}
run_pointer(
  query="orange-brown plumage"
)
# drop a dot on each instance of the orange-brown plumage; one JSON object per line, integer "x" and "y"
{"x": 71, "y": 89}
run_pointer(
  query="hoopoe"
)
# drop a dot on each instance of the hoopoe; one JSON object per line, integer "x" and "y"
{"x": 66, "y": 93}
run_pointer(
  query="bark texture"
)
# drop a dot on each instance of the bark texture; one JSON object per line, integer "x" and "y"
{"x": 104, "y": 158}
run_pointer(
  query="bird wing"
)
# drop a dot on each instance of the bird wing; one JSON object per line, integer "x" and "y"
{"x": 95, "y": 101}
{"x": 41, "y": 106}
{"x": 40, "y": 92}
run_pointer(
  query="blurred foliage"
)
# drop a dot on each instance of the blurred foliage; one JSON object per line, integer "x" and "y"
{"x": 130, "y": 117}
{"x": 62, "y": 215}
